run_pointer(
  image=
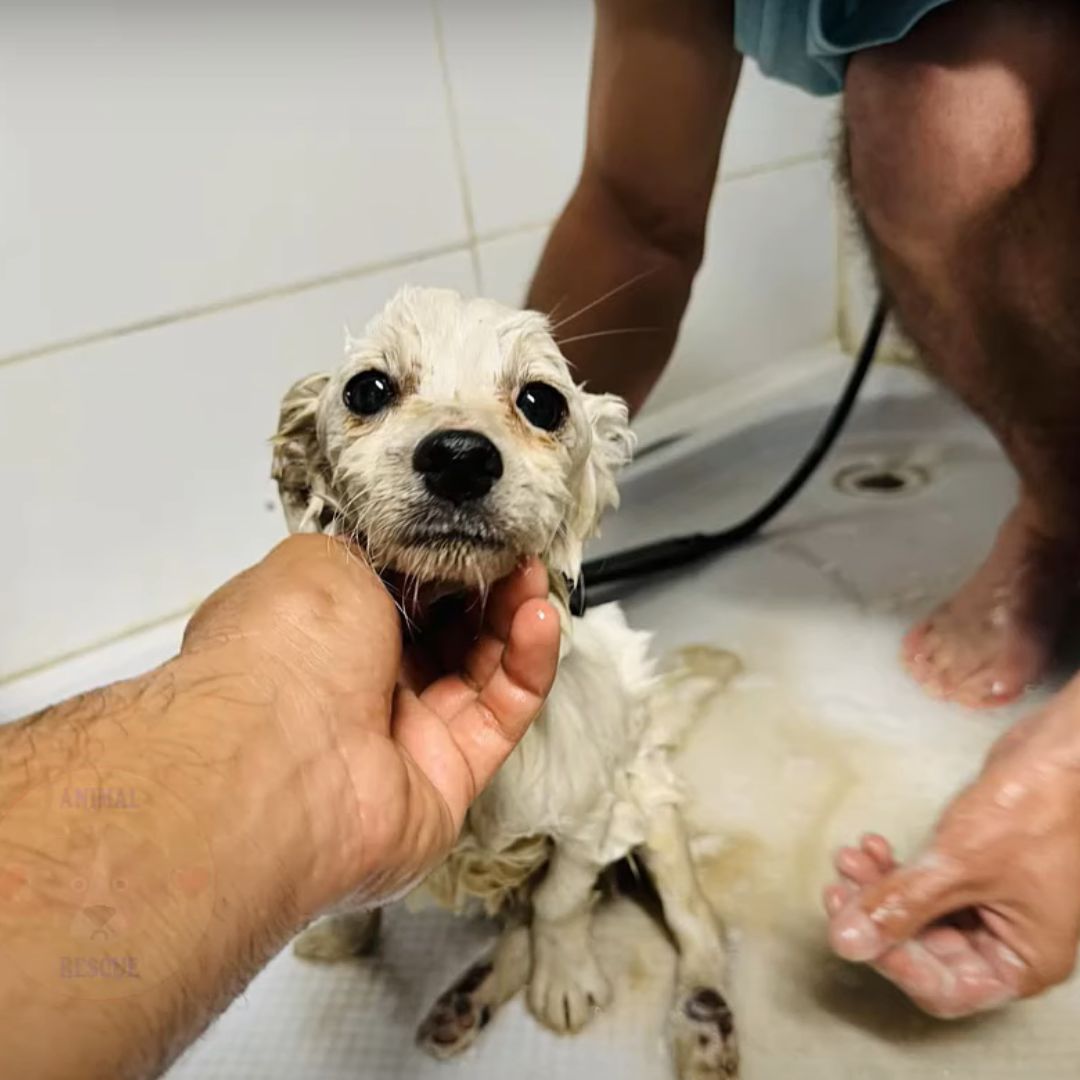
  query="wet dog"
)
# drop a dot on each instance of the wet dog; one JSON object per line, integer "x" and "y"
{"x": 452, "y": 442}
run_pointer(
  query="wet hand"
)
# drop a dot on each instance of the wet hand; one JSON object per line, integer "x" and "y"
{"x": 385, "y": 764}
{"x": 990, "y": 911}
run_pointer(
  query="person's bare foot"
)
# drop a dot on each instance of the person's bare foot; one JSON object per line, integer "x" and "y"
{"x": 994, "y": 637}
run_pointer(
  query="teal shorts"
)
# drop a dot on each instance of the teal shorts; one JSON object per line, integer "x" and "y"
{"x": 808, "y": 42}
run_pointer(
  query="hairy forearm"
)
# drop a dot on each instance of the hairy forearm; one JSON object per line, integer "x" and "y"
{"x": 621, "y": 344}
{"x": 663, "y": 78}
{"x": 134, "y": 899}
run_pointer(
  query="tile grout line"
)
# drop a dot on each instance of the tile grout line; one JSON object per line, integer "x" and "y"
{"x": 772, "y": 166}
{"x": 471, "y": 244}
{"x": 457, "y": 144}
{"x": 196, "y": 311}
{"x": 655, "y": 429}
{"x": 93, "y": 646}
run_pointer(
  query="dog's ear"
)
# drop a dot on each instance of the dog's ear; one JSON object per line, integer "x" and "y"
{"x": 299, "y": 465}
{"x": 612, "y": 447}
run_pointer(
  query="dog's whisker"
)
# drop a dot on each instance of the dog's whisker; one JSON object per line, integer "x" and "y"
{"x": 558, "y": 304}
{"x": 630, "y": 282}
{"x": 609, "y": 333}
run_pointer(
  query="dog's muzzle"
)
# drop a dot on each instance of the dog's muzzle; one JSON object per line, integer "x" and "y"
{"x": 458, "y": 466}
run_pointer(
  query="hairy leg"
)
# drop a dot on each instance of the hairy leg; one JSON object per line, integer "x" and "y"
{"x": 963, "y": 159}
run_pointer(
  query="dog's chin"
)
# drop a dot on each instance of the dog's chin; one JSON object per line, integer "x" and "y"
{"x": 451, "y": 559}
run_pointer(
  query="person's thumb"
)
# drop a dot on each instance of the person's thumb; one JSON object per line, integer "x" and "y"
{"x": 896, "y": 908}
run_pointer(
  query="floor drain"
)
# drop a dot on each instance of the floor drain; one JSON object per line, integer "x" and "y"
{"x": 880, "y": 481}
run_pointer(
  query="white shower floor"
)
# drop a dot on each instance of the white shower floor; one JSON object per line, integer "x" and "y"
{"x": 821, "y": 738}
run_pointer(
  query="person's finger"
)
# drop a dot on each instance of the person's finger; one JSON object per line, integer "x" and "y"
{"x": 921, "y": 976}
{"x": 479, "y": 656}
{"x": 945, "y": 975}
{"x": 459, "y": 749}
{"x": 899, "y": 905}
{"x": 1011, "y": 968}
{"x": 488, "y": 727}
{"x": 856, "y": 866}
{"x": 529, "y": 581}
{"x": 880, "y": 850}
{"x": 835, "y": 897}
{"x": 947, "y": 943}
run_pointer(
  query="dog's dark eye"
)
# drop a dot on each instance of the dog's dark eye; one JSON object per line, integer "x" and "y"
{"x": 542, "y": 405}
{"x": 368, "y": 393}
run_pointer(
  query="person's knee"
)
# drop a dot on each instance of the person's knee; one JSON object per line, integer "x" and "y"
{"x": 933, "y": 149}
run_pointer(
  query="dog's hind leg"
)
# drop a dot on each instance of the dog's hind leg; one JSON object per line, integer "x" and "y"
{"x": 566, "y": 984}
{"x": 463, "y": 1011}
{"x": 340, "y": 937}
{"x": 701, "y": 1025}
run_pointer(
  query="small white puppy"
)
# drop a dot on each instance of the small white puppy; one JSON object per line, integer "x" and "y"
{"x": 451, "y": 443}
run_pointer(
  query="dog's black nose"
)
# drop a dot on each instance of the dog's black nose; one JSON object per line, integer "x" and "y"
{"x": 458, "y": 465}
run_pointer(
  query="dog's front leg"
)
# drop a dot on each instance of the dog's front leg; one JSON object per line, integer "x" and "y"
{"x": 702, "y": 1028}
{"x": 567, "y": 983}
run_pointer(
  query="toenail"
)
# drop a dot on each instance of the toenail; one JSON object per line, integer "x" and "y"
{"x": 485, "y": 1016}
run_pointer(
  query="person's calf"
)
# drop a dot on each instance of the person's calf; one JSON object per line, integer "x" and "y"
{"x": 959, "y": 168}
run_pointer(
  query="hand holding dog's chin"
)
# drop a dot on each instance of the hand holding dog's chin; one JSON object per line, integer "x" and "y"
{"x": 363, "y": 782}
{"x": 272, "y": 769}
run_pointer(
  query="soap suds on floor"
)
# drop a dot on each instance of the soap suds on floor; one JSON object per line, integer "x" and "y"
{"x": 776, "y": 788}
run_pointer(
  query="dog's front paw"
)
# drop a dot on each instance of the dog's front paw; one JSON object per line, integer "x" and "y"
{"x": 703, "y": 1036}
{"x": 339, "y": 937}
{"x": 566, "y": 988}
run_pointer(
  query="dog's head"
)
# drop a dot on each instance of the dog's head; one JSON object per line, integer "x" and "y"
{"x": 451, "y": 442}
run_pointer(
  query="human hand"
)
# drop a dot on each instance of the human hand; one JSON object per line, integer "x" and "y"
{"x": 990, "y": 912}
{"x": 385, "y": 770}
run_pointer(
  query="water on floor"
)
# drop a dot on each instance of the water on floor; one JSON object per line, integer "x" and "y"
{"x": 821, "y": 738}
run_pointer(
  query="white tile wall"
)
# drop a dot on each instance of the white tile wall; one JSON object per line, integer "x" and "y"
{"x": 859, "y": 290}
{"x": 772, "y": 123}
{"x": 193, "y": 201}
{"x": 138, "y": 468}
{"x": 506, "y": 264}
{"x": 768, "y": 287}
{"x": 519, "y": 72}
{"x": 158, "y": 162}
